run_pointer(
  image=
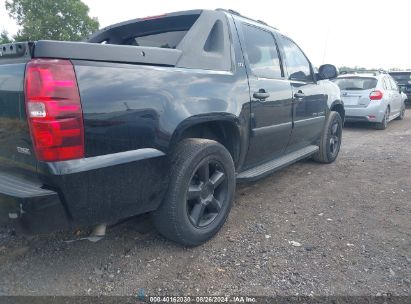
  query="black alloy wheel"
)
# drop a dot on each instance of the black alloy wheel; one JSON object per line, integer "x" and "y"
{"x": 206, "y": 193}
{"x": 200, "y": 192}
{"x": 335, "y": 139}
{"x": 330, "y": 142}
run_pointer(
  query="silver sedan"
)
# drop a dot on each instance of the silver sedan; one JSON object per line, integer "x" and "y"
{"x": 373, "y": 97}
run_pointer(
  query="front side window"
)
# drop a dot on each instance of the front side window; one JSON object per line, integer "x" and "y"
{"x": 298, "y": 65}
{"x": 262, "y": 52}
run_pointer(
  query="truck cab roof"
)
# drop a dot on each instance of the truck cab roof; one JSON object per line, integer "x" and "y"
{"x": 202, "y": 37}
{"x": 181, "y": 20}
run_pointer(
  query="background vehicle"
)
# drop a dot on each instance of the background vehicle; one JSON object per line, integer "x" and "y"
{"x": 404, "y": 97}
{"x": 158, "y": 115}
{"x": 403, "y": 80}
{"x": 373, "y": 97}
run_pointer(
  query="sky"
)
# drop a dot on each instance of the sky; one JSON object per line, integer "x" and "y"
{"x": 363, "y": 33}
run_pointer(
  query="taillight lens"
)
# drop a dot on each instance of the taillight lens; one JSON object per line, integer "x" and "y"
{"x": 54, "y": 110}
{"x": 376, "y": 95}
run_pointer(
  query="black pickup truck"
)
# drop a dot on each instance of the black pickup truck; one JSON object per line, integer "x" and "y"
{"x": 403, "y": 79}
{"x": 158, "y": 115}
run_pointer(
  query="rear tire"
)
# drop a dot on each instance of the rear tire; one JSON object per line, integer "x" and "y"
{"x": 330, "y": 142}
{"x": 200, "y": 193}
{"x": 384, "y": 123}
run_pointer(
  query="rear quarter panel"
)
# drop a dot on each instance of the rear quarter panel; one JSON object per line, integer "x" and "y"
{"x": 128, "y": 107}
{"x": 16, "y": 151}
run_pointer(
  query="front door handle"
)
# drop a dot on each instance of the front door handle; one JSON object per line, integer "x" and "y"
{"x": 261, "y": 94}
{"x": 299, "y": 95}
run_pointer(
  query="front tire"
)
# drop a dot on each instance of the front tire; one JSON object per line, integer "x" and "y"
{"x": 402, "y": 112}
{"x": 200, "y": 193}
{"x": 330, "y": 142}
{"x": 384, "y": 123}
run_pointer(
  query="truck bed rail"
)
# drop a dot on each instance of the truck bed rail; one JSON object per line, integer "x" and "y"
{"x": 106, "y": 52}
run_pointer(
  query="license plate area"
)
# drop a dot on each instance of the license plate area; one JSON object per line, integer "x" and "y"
{"x": 351, "y": 100}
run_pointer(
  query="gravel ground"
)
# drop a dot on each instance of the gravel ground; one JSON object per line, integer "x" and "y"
{"x": 338, "y": 229}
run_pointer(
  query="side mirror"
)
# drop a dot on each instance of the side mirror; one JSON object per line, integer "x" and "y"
{"x": 327, "y": 71}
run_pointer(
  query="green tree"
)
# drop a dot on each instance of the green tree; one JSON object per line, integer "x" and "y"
{"x": 4, "y": 37}
{"x": 51, "y": 19}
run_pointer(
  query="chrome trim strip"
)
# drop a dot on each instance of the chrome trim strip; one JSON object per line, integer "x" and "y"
{"x": 98, "y": 162}
{"x": 271, "y": 129}
{"x": 303, "y": 122}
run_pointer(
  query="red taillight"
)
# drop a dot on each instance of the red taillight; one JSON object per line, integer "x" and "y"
{"x": 54, "y": 110}
{"x": 376, "y": 95}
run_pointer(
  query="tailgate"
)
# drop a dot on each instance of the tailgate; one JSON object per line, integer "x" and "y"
{"x": 16, "y": 153}
{"x": 356, "y": 98}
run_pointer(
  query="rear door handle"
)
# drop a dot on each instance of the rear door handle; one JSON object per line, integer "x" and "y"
{"x": 299, "y": 95}
{"x": 261, "y": 94}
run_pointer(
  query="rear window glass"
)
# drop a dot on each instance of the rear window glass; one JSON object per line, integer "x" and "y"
{"x": 168, "y": 40}
{"x": 163, "y": 32}
{"x": 356, "y": 83}
{"x": 398, "y": 77}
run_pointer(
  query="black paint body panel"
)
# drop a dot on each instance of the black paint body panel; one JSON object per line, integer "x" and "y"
{"x": 106, "y": 52}
{"x": 110, "y": 193}
{"x": 134, "y": 114}
{"x": 132, "y": 107}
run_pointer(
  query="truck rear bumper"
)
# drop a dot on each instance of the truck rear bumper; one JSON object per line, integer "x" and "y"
{"x": 84, "y": 192}
{"x": 28, "y": 204}
{"x": 107, "y": 188}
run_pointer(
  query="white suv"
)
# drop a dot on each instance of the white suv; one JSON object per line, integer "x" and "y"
{"x": 371, "y": 97}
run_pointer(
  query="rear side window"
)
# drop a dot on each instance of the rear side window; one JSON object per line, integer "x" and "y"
{"x": 356, "y": 83}
{"x": 298, "y": 65}
{"x": 262, "y": 52}
{"x": 393, "y": 84}
{"x": 386, "y": 84}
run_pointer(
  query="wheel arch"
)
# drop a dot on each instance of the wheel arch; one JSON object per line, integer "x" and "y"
{"x": 338, "y": 106}
{"x": 224, "y": 128}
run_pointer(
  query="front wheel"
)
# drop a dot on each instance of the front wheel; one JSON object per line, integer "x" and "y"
{"x": 200, "y": 193}
{"x": 402, "y": 112}
{"x": 330, "y": 142}
{"x": 384, "y": 123}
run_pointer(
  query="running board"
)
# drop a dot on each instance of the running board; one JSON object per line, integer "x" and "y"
{"x": 276, "y": 164}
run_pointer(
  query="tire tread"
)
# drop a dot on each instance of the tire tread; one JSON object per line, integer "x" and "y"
{"x": 166, "y": 218}
{"x": 322, "y": 155}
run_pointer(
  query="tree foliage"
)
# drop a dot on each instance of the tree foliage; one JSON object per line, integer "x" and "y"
{"x": 4, "y": 37}
{"x": 51, "y": 19}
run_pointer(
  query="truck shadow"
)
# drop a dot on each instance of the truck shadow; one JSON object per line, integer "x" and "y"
{"x": 130, "y": 243}
{"x": 132, "y": 230}
{"x": 359, "y": 126}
